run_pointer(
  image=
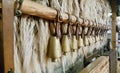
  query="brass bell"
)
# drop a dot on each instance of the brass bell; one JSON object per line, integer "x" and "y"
{"x": 65, "y": 44}
{"x": 80, "y": 42}
{"x": 54, "y": 48}
{"x": 74, "y": 43}
{"x": 101, "y": 38}
{"x": 96, "y": 39}
{"x": 90, "y": 39}
{"x": 86, "y": 41}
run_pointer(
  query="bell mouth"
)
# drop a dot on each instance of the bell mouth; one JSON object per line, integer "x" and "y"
{"x": 54, "y": 59}
{"x": 65, "y": 53}
{"x": 74, "y": 50}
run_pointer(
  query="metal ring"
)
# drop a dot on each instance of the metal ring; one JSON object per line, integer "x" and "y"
{"x": 19, "y": 2}
{"x": 18, "y": 6}
{"x": 18, "y": 13}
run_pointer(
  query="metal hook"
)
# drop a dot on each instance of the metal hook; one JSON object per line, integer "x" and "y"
{"x": 18, "y": 6}
{"x": 18, "y": 13}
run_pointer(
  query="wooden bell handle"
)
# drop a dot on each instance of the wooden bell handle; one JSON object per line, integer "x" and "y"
{"x": 64, "y": 29}
{"x": 83, "y": 32}
{"x": 58, "y": 32}
{"x": 52, "y": 28}
{"x": 77, "y": 31}
{"x": 89, "y": 31}
{"x": 69, "y": 30}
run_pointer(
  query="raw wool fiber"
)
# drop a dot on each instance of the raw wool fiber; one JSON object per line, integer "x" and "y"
{"x": 31, "y": 35}
{"x": 95, "y": 10}
{"x": 30, "y": 54}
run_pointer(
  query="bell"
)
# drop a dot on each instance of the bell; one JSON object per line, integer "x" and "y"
{"x": 65, "y": 44}
{"x": 80, "y": 42}
{"x": 54, "y": 48}
{"x": 86, "y": 41}
{"x": 96, "y": 39}
{"x": 101, "y": 38}
{"x": 90, "y": 39}
{"x": 74, "y": 43}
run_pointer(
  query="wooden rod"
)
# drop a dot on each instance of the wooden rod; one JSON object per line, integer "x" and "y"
{"x": 35, "y": 9}
{"x": 8, "y": 34}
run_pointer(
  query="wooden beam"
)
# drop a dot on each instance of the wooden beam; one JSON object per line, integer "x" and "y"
{"x": 114, "y": 9}
{"x": 1, "y": 45}
{"x": 8, "y": 35}
{"x": 114, "y": 24}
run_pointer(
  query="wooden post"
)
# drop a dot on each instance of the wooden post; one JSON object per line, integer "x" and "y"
{"x": 8, "y": 35}
{"x": 114, "y": 24}
{"x": 114, "y": 9}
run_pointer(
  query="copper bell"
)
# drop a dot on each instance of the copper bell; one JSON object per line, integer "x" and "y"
{"x": 54, "y": 50}
{"x": 65, "y": 44}
{"x": 80, "y": 42}
{"x": 74, "y": 43}
{"x": 86, "y": 41}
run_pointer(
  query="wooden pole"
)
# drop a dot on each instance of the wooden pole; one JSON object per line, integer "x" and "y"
{"x": 114, "y": 8}
{"x": 8, "y": 34}
{"x": 114, "y": 24}
{"x": 35, "y": 9}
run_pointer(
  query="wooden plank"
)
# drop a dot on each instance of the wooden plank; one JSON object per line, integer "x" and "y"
{"x": 95, "y": 64}
{"x": 8, "y": 35}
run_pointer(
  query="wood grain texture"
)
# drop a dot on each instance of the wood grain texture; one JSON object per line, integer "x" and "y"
{"x": 98, "y": 66}
{"x": 114, "y": 24}
{"x": 35, "y": 9}
{"x": 114, "y": 9}
{"x": 8, "y": 17}
{"x": 1, "y": 45}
